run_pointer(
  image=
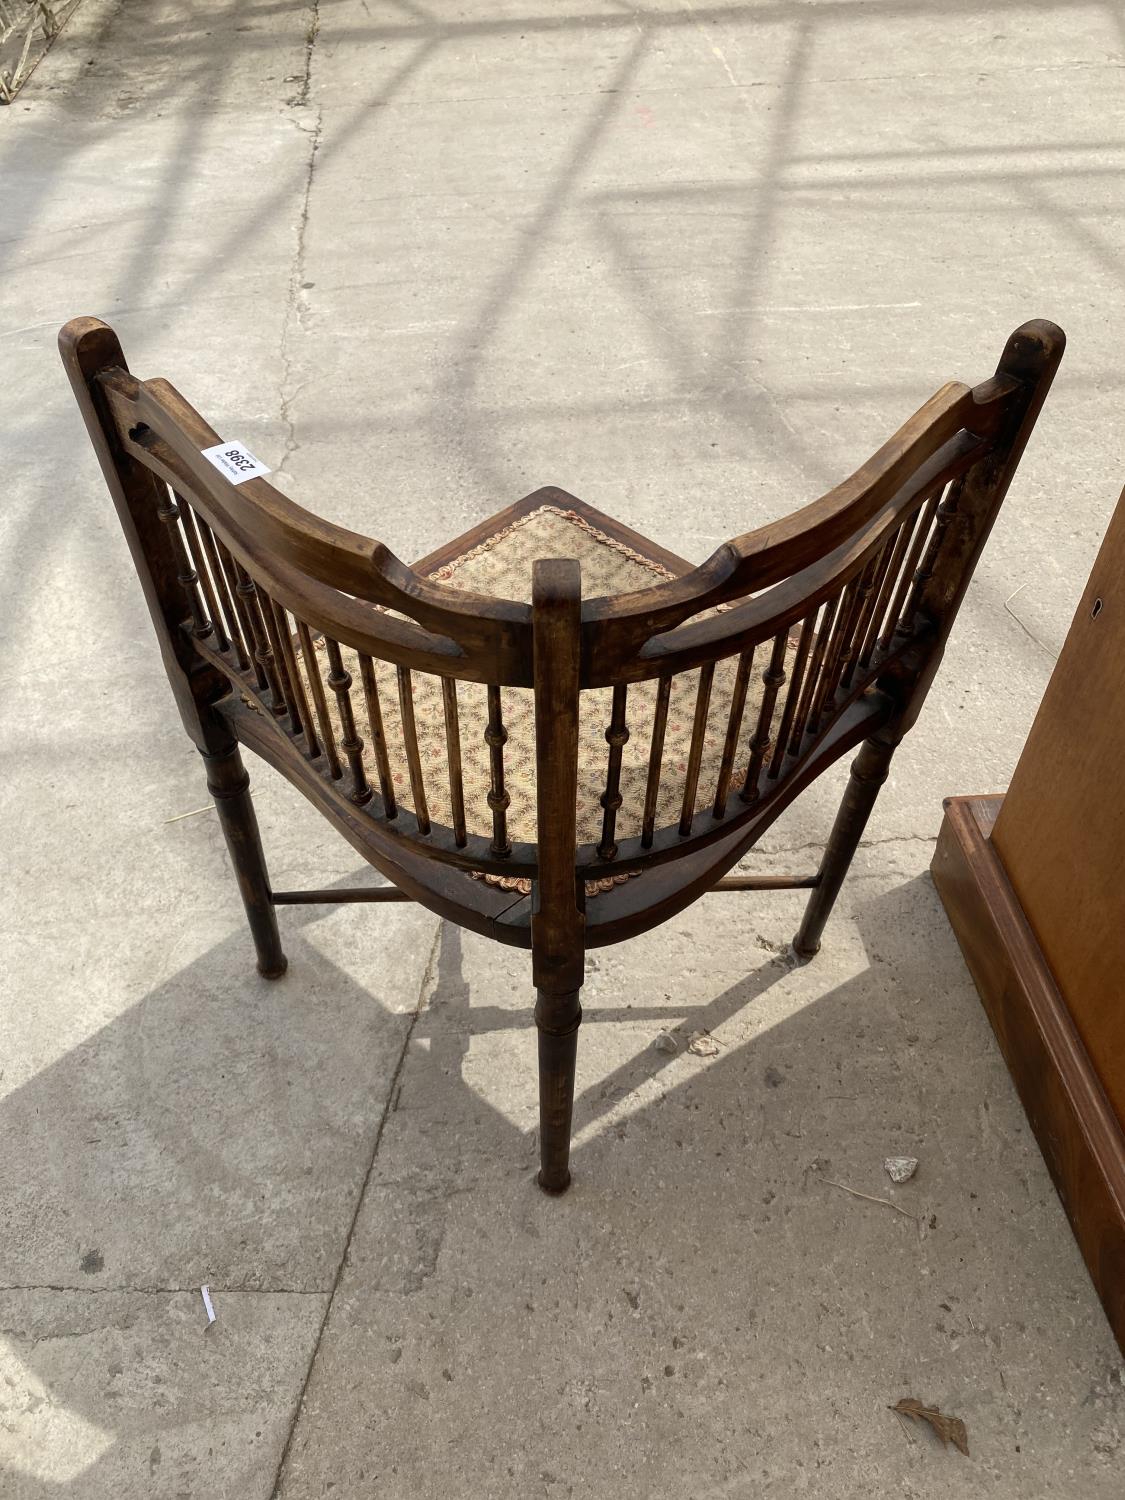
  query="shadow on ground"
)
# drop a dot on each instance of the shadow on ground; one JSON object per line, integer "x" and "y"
{"x": 706, "y": 1313}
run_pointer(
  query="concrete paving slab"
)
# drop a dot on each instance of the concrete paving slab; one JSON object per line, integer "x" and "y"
{"x": 217, "y": 1129}
{"x": 715, "y": 1308}
{"x": 117, "y": 1393}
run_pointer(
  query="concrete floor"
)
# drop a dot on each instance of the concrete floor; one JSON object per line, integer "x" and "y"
{"x": 691, "y": 262}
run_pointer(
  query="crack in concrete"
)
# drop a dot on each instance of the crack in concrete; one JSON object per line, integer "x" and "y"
{"x": 891, "y": 838}
{"x": 311, "y": 34}
{"x": 296, "y": 302}
{"x": 33, "y": 1340}
{"x": 425, "y": 988}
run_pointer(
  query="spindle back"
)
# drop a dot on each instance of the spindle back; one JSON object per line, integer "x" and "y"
{"x": 408, "y": 707}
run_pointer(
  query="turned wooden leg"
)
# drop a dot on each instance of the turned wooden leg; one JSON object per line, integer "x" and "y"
{"x": 558, "y": 1017}
{"x": 229, "y": 784}
{"x": 869, "y": 771}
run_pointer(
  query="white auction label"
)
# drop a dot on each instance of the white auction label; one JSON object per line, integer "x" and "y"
{"x": 235, "y": 461}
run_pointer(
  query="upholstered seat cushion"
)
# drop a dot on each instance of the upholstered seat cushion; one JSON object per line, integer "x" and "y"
{"x": 497, "y": 559}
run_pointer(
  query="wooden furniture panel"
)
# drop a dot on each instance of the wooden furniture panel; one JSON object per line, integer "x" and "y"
{"x": 1080, "y": 1135}
{"x": 1061, "y": 830}
{"x": 1034, "y": 885}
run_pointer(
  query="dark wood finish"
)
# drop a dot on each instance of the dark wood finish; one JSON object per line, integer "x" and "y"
{"x": 869, "y": 593}
{"x": 808, "y": 714}
{"x": 453, "y": 755}
{"x": 655, "y": 760}
{"x": 316, "y": 687}
{"x": 229, "y": 784}
{"x": 1080, "y": 1134}
{"x": 168, "y": 510}
{"x": 767, "y": 883}
{"x": 839, "y": 647}
{"x": 347, "y": 583}
{"x": 496, "y": 737}
{"x": 300, "y": 718}
{"x": 340, "y": 681}
{"x": 230, "y": 577}
{"x": 772, "y": 679}
{"x": 199, "y": 573}
{"x": 864, "y": 561}
{"x": 735, "y": 716}
{"x": 410, "y": 744}
{"x": 788, "y": 739}
{"x": 378, "y": 735}
{"x": 263, "y": 648}
{"x": 286, "y": 699}
{"x": 633, "y": 907}
{"x": 89, "y": 350}
{"x": 617, "y": 737}
{"x": 887, "y": 585}
{"x": 225, "y": 596}
{"x": 906, "y": 579}
{"x": 957, "y": 423}
{"x": 849, "y": 653}
{"x": 339, "y": 895}
{"x": 760, "y": 616}
{"x": 946, "y": 510}
{"x": 868, "y": 773}
{"x": 400, "y": 856}
{"x": 695, "y": 751}
{"x": 343, "y": 895}
{"x": 1030, "y": 358}
{"x": 557, "y": 922}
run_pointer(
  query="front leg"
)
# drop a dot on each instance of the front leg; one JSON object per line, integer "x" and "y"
{"x": 229, "y": 784}
{"x": 558, "y": 1017}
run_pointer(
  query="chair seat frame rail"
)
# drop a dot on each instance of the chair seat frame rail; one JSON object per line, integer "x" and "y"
{"x": 280, "y": 631}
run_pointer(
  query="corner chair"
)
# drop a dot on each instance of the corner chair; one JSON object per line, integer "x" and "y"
{"x": 553, "y": 731}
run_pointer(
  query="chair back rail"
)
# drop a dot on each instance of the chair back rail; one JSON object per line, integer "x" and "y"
{"x": 616, "y": 628}
{"x": 330, "y": 576}
{"x": 275, "y": 621}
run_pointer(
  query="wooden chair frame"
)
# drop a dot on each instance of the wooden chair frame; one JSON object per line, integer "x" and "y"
{"x": 851, "y": 598}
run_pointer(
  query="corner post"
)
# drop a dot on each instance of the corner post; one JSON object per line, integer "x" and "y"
{"x": 558, "y": 920}
{"x": 1030, "y": 358}
{"x": 1029, "y": 361}
{"x": 89, "y": 348}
